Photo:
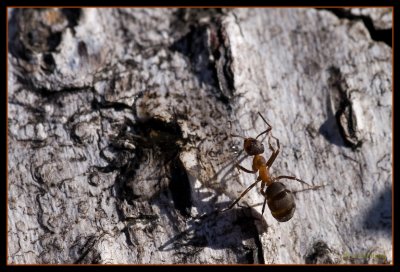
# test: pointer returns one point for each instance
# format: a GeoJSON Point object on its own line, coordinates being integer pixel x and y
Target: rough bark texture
{"type": "Point", "coordinates": [381, 17]}
{"type": "Point", "coordinates": [119, 145]}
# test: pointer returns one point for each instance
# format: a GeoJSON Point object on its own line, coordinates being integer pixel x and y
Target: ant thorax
{"type": "Point", "coordinates": [259, 162]}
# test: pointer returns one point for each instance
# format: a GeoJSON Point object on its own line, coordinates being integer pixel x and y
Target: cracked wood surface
{"type": "Point", "coordinates": [120, 147]}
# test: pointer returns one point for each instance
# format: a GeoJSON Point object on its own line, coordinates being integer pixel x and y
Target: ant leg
{"type": "Point", "coordinates": [262, 188]}
{"type": "Point", "coordinates": [244, 169]}
{"type": "Point", "coordinates": [316, 187]}
{"type": "Point", "coordinates": [235, 135]}
{"type": "Point", "coordinates": [290, 177]}
{"type": "Point", "coordinates": [232, 134]}
{"type": "Point", "coordinates": [277, 143]}
{"type": "Point", "coordinates": [268, 129]}
{"type": "Point", "coordinates": [241, 195]}
{"type": "Point", "coordinates": [263, 208]}
{"type": "Point", "coordinates": [274, 152]}
{"type": "Point", "coordinates": [265, 198]}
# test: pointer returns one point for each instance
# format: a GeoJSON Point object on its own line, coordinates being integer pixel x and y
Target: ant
{"type": "Point", "coordinates": [280, 200]}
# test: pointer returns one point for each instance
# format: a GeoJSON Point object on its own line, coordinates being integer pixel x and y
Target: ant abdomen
{"type": "Point", "coordinates": [253, 147]}
{"type": "Point", "coordinates": [280, 201]}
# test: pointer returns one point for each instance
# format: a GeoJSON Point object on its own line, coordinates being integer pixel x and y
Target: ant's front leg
{"type": "Point", "coordinates": [274, 152]}
{"type": "Point", "coordinates": [245, 169]}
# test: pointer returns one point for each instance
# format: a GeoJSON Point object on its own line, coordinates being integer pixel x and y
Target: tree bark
{"type": "Point", "coordinates": [120, 146]}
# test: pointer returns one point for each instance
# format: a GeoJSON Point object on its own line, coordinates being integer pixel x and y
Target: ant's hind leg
{"type": "Point", "coordinates": [262, 191]}
{"type": "Point", "coordinates": [310, 187]}
{"type": "Point", "coordinates": [241, 195]}
{"type": "Point", "coordinates": [291, 177]}
{"type": "Point", "coordinates": [263, 208]}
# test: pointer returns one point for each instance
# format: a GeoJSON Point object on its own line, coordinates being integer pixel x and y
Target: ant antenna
{"type": "Point", "coordinates": [235, 135]}
{"type": "Point", "coordinates": [267, 130]}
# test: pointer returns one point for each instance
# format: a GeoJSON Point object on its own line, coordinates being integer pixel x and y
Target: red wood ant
{"type": "Point", "coordinates": [280, 200]}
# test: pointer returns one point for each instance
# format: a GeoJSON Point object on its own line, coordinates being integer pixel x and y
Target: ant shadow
{"type": "Point", "coordinates": [221, 230]}
{"type": "Point", "coordinates": [379, 216]}
{"type": "Point", "coordinates": [215, 229]}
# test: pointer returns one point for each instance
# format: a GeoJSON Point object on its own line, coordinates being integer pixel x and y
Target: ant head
{"type": "Point", "coordinates": [253, 146]}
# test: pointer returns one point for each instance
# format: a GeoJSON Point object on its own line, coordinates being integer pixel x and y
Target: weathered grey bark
{"type": "Point", "coordinates": [381, 17]}
{"type": "Point", "coordinates": [119, 146]}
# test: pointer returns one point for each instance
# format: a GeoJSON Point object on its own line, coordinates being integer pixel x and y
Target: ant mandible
{"type": "Point", "coordinates": [280, 200]}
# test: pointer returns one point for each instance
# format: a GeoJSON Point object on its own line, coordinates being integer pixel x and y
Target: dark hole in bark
{"type": "Point", "coordinates": [180, 187]}
{"type": "Point", "coordinates": [73, 15]}
{"type": "Point", "coordinates": [49, 63]}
